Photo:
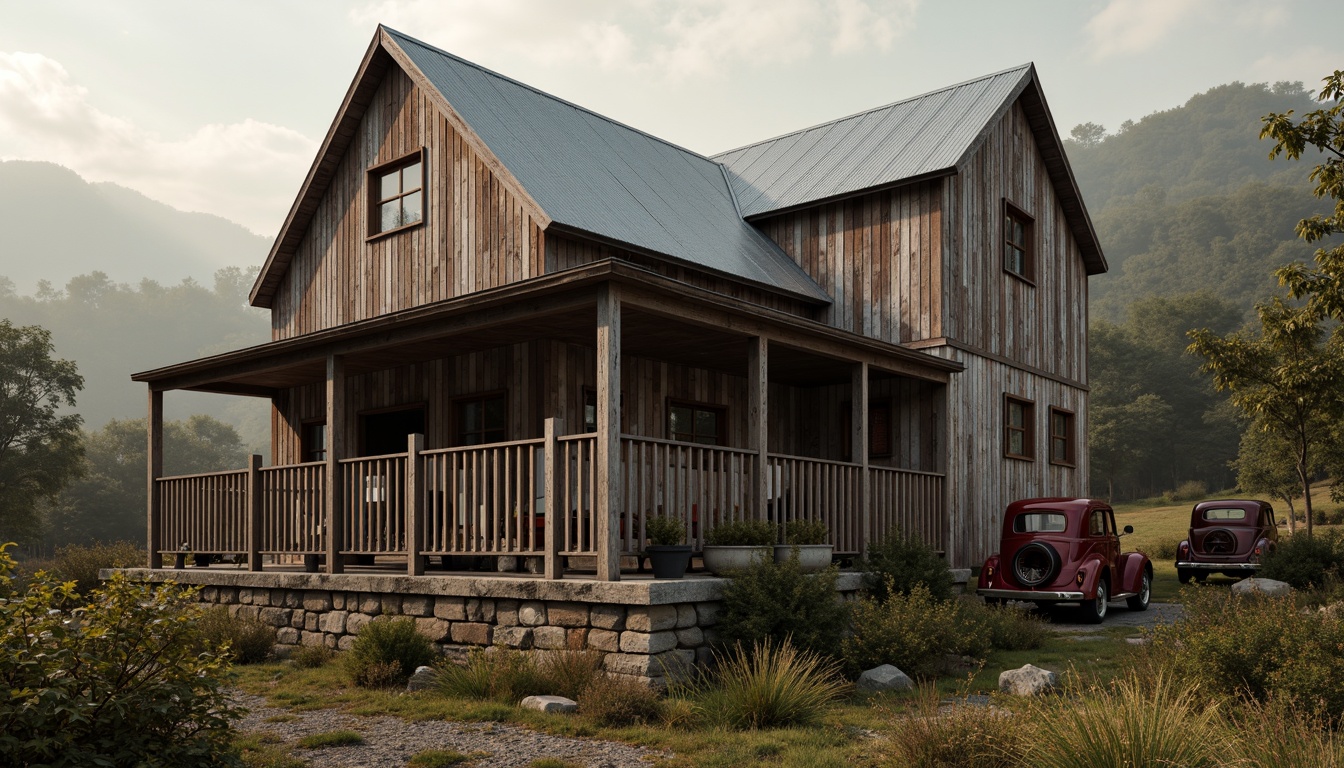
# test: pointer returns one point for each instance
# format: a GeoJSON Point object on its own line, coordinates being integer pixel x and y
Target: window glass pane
{"type": "Point", "coordinates": [410, 177]}
{"type": "Point", "coordinates": [1019, 236]}
{"type": "Point", "coordinates": [679, 421]}
{"type": "Point", "coordinates": [388, 186]}
{"type": "Point", "coordinates": [1016, 415]}
{"type": "Point", "coordinates": [1061, 424]}
{"type": "Point", "coordinates": [1017, 443]}
{"type": "Point", "coordinates": [495, 413]}
{"type": "Point", "coordinates": [390, 217]}
{"type": "Point", "coordinates": [1224, 514]}
{"type": "Point", "coordinates": [1060, 449]}
{"type": "Point", "coordinates": [412, 211]}
{"type": "Point", "coordinates": [1035, 522]}
{"type": "Point", "coordinates": [471, 417]}
{"type": "Point", "coordinates": [707, 423]}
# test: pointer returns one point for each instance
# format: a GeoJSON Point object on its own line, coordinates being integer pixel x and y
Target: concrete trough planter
{"type": "Point", "coordinates": [723, 560]}
{"type": "Point", "coordinates": [811, 557]}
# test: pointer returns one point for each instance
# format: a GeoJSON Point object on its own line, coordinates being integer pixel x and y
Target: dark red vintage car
{"type": "Point", "coordinates": [1228, 536]}
{"type": "Point", "coordinates": [1065, 551]}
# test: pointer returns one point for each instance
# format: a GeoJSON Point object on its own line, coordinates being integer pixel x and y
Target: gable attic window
{"type": "Point", "coordinates": [397, 194]}
{"type": "Point", "coordinates": [1018, 236]}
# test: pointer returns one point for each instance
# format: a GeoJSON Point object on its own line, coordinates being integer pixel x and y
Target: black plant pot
{"type": "Point", "coordinates": [669, 561]}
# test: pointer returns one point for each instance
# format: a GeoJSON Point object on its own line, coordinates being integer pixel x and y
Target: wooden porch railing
{"type": "Point", "coordinates": [492, 500]}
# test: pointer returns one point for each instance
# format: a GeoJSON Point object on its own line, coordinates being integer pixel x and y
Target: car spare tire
{"type": "Point", "coordinates": [1220, 541]}
{"type": "Point", "coordinates": [1036, 563]}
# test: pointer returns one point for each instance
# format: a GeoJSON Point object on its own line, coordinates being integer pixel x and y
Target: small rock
{"type": "Point", "coordinates": [550, 704]}
{"type": "Point", "coordinates": [422, 679]}
{"type": "Point", "coordinates": [885, 678]}
{"type": "Point", "coordinates": [1138, 640]}
{"type": "Point", "coordinates": [1028, 680]}
{"type": "Point", "coordinates": [1266, 587]}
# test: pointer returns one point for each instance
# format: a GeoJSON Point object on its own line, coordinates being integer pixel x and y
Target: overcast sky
{"type": "Point", "coordinates": [218, 107]}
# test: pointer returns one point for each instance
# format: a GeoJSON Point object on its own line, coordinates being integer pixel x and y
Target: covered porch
{"type": "Point", "coordinates": [629, 396]}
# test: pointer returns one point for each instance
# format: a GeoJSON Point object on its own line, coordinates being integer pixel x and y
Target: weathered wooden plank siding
{"type": "Point", "coordinates": [477, 234]}
{"type": "Point", "coordinates": [877, 255]}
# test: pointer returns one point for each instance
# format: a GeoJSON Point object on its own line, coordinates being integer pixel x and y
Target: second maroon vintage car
{"type": "Point", "coordinates": [1227, 536]}
{"type": "Point", "coordinates": [1065, 551]}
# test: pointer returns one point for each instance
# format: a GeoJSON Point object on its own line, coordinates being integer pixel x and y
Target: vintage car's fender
{"type": "Point", "coordinates": [1090, 569]}
{"type": "Point", "coordinates": [990, 572]}
{"type": "Point", "coordinates": [1263, 547]}
{"type": "Point", "coordinates": [1131, 566]}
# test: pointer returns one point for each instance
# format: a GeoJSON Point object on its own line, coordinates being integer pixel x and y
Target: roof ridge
{"type": "Point", "coordinates": [550, 96]}
{"type": "Point", "coordinates": [862, 112]}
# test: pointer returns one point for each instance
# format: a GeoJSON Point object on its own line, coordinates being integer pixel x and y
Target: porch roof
{"type": "Point", "coordinates": [558, 307]}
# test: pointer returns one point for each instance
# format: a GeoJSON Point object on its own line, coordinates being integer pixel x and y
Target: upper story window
{"type": "Point", "coordinates": [1061, 437]}
{"type": "Point", "coordinates": [397, 194]}
{"type": "Point", "coordinates": [1018, 253]}
{"type": "Point", "coordinates": [696, 423]}
{"type": "Point", "coordinates": [1019, 428]}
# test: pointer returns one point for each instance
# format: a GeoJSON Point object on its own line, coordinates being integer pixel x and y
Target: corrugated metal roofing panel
{"type": "Point", "coordinates": [594, 174]}
{"type": "Point", "coordinates": [915, 137]}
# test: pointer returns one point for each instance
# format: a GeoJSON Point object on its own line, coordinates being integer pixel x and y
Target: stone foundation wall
{"type": "Point", "coordinates": [645, 628]}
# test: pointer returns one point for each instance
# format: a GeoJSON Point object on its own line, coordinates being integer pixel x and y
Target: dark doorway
{"type": "Point", "coordinates": [385, 432]}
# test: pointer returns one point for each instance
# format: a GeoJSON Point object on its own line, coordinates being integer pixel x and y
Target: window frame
{"type": "Point", "coordinates": [1028, 428]}
{"type": "Point", "coordinates": [1070, 458]}
{"type": "Point", "coordinates": [1027, 247]}
{"type": "Point", "coordinates": [721, 411]}
{"type": "Point", "coordinates": [373, 197]}
{"type": "Point", "coordinates": [461, 400]}
{"type": "Point", "coordinates": [361, 432]}
{"type": "Point", "coordinates": [305, 441]}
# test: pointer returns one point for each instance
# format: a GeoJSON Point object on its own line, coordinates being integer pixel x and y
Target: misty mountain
{"type": "Point", "coordinates": [54, 225]}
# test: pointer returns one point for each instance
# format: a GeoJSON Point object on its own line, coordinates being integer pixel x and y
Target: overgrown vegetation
{"type": "Point", "coordinates": [769, 685]}
{"type": "Point", "coordinates": [245, 639]}
{"type": "Point", "coordinates": [81, 563]}
{"type": "Point", "coordinates": [898, 563]}
{"type": "Point", "coordinates": [508, 676]}
{"type": "Point", "coordinates": [620, 702]}
{"type": "Point", "coordinates": [386, 652]}
{"type": "Point", "coordinates": [778, 601]}
{"type": "Point", "coordinates": [1305, 562]}
{"type": "Point", "coordinates": [741, 533]}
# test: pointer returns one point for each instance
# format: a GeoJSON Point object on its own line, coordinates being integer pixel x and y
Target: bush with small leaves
{"type": "Point", "coordinates": [665, 531]}
{"type": "Point", "coordinates": [311, 656]}
{"type": "Point", "coordinates": [247, 640]}
{"type": "Point", "coordinates": [385, 643]}
{"type": "Point", "coordinates": [770, 600]}
{"type": "Point", "coordinates": [109, 678]}
{"type": "Point", "coordinates": [741, 533]}
{"type": "Point", "coordinates": [914, 632]}
{"type": "Point", "coordinates": [805, 532]}
{"type": "Point", "coordinates": [1305, 561]}
{"type": "Point", "coordinates": [81, 563]}
{"type": "Point", "coordinates": [619, 702]}
{"type": "Point", "coordinates": [896, 564]}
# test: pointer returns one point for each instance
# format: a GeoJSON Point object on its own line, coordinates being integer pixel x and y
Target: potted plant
{"type": "Point", "coordinates": [735, 545]}
{"type": "Point", "coordinates": [668, 555]}
{"type": "Point", "coordinates": [805, 539]}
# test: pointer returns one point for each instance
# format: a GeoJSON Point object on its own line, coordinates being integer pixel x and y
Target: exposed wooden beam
{"type": "Point", "coordinates": [758, 418]}
{"type": "Point", "coordinates": [335, 452]}
{"type": "Point", "coordinates": [155, 451]}
{"type": "Point", "coordinates": [608, 453]}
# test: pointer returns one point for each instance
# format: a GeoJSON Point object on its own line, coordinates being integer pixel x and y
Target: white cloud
{"type": "Point", "coordinates": [657, 37]}
{"type": "Point", "coordinates": [246, 171]}
{"type": "Point", "coordinates": [1135, 26]}
{"type": "Point", "coordinates": [1308, 63]}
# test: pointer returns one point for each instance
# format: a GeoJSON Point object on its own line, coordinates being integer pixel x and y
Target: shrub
{"type": "Point", "coordinates": [771, 685]}
{"type": "Point", "coordinates": [1305, 562]}
{"type": "Point", "coordinates": [665, 531]}
{"type": "Point", "coordinates": [619, 702]}
{"type": "Point", "coordinates": [1328, 515]}
{"type": "Point", "coordinates": [896, 564]}
{"type": "Point", "coordinates": [247, 640]}
{"type": "Point", "coordinates": [109, 679]}
{"type": "Point", "coordinates": [914, 632]}
{"type": "Point", "coordinates": [771, 600]}
{"type": "Point", "coordinates": [959, 736]}
{"type": "Point", "coordinates": [1011, 628]}
{"type": "Point", "coordinates": [1164, 550]}
{"type": "Point", "coordinates": [330, 739]}
{"type": "Point", "coordinates": [1190, 490]}
{"type": "Point", "coordinates": [311, 656]}
{"type": "Point", "coordinates": [502, 675]}
{"type": "Point", "coordinates": [81, 563]}
{"type": "Point", "coordinates": [570, 672]}
{"type": "Point", "coordinates": [387, 642]}
{"type": "Point", "coordinates": [1130, 724]}
{"type": "Point", "coordinates": [803, 532]}
{"type": "Point", "coordinates": [741, 533]}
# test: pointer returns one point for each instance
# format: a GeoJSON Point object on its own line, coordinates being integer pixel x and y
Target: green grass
{"type": "Point", "coordinates": [437, 758]}
{"type": "Point", "coordinates": [330, 739]}
{"type": "Point", "coordinates": [264, 750]}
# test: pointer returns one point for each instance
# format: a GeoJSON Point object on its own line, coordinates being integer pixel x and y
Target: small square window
{"type": "Point", "coordinates": [482, 419]}
{"type": "Point", "coordinates": [396, 194]}
{"type": "Point", "coordinates": [1019, 428]}
{"type": "Point", "coordinates": [694, 423]}
{"type": "Point", "coordinates": [1062, 439]}
{"type": "Point", "coordinates": [1018, 253]}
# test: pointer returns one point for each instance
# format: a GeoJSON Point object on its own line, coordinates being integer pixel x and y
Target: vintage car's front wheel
{"type": "Point", "coordinates": [1139, 602]}
{"type": "Point", "coordinates": [1036, 563]}
{"type": "Point", "coordinates": [1094, 611]}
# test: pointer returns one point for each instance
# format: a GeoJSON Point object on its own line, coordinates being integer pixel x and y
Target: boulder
{"type": "Point", "coordinates": [550, 704]}
{"type": "Point", "coordinates": [1257, 586]}
{"type": "Point", "coordinates": [1028, 680]}
{"type": "Point", "coordinates": [422, 679]}
{"type": "Point", "coordinates": [885, 678]}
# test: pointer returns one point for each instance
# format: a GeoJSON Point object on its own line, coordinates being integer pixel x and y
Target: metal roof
{"type": "Point", "coordinates": [923, 136]}
{"type": "Point", "coordinates": [593, 174]}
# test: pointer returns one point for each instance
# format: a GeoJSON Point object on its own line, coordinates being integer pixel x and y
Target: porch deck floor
{"type": "Point", "coordinates": [395, 568]}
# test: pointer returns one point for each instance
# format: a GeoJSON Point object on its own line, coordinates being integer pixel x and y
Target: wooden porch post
{"type": "Point", "coordinates": [415, 505]}
{"type": "Point", "coordinates": [335, 452]}
{"type": "Point", "coordinates": [859, 449]}
{"type": "Point", "coordinates": [608, 451]}
{"type": "Point", "coordinates": [555, 512]}
{"type": "Point", "coordinates": [758, 422]}
{"type": "Point", "coordinates": [254, 507]}
{"type": "Point", "coordinates": [155, 454]}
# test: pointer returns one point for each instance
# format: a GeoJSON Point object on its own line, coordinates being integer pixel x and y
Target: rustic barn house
{"type": "Point", "coordinates": [506, 325]}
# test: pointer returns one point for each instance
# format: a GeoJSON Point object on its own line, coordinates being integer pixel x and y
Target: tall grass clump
{"type": "Point", "coordinates": [386, 652]}
{"type": "Point", "coordinates": [502, 674]}
{"type": "Point", "coordinates": [897, 564]}
{"type": "Point", "coordinates": [247, 640]}
{"type": "Point", "coordinates": [770, 685]}
{"type": "Point", "coordinates": [935, 735]}
{"type": "Point", "coordinates": [1158, 722]}
{"type": "Point", "coordinates": [1275, 735]}
{"type": "Point", "coordinates": [569, 672]}
{"type": "Point", "coordinates": [771, 601]}
{"type": "Point", "coordinates": [620, 702]}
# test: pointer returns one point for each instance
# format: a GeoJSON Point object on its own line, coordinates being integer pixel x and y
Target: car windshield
{"type": "Point", "coordinates": [1039, 522]}
{"type": "Point", "coordinates": [1224, 514]}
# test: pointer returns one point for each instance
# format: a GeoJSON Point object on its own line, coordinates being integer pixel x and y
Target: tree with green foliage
{"type": "Point", "coordinates": [39, 445]}
{"type": "Point", "coordinates": [1288, 377]}
{"type": "Point", "coordinates": [1266, 466]}
{"type": "Point", "coordinates": [1088, 134]}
